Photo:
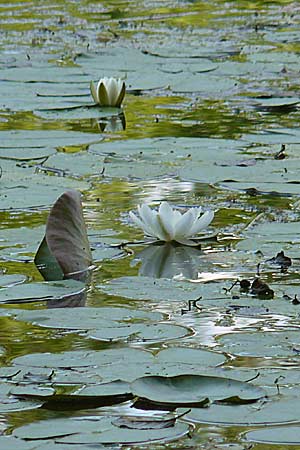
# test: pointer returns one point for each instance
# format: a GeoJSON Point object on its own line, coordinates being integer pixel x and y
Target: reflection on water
{"type": "Point", "coordinates": [180, 262]}
{"type": "Point", "coordinates": [169, 261]}
{"type": "Point", "coordinates": [112, 124]}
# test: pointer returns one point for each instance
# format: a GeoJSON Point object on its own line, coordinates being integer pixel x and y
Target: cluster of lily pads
{"type": "Point", "coordinates": [245, 372]}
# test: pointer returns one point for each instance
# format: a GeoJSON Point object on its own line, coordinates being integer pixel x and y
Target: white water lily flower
{"type": "Point", "coordinates": [168, 224]}
{"type": "Point", "coordinates": [108, 92]}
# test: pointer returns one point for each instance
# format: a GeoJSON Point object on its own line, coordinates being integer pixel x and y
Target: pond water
{"type": "Point", "coordinates": [210, 118]}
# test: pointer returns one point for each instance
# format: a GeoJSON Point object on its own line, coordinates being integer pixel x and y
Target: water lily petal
{"type": "Point", "coordinates": [185, 241]}
{"type": "Point", "coordinates": [147, 230]}
{"type": "Point", "coordinates": [150, 218]}
{"type": "Point", "coordinates": [167, 219]}
{"type": "Point", "coordinates": [94, 92]}
{"type": "Point", "coordinates": [202, 222]}
{"type": "Point", "coordinates": [102, 93]}
{"type": "Point", "coordinates": [197, 212]}
{"type": "Point", "coordinates": [121, 96]}
{"type": "Point", "coordinates": [185, 224]}
{"type": "Point", "coordinates": [112, 91]}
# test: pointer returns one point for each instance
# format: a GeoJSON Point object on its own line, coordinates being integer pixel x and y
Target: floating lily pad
{"type": "Point", "coordinates": [87, 318]}
{"type": "Point", "coordinates": [155, 332]}
{"type": "Point", "coordinates": [136, 170]}
{"type": "Point", "coordinates": [188, 389]}
{"type": "Point", "coordinates": [55, 428]}
{"type": "Point", "coordinates": [144, 288]}
{"type": "Point", "coordinates": [36, 192]}
{"type": "Point", "coordinates": [32, 292]}
{"type": "Point", "coordinates": [107, 324]}
{"type": "Point", "coordinates": [7, 442]}
{"type": "Point", "coordinates": [201, 84]}
{"type": "Point", "coordinates": [91, 396]}
{"type": "Point", "coordinates": [271, 238]}
{"type": "Point", "coordinates": [83, 358]}
{"type": "Point", "coordinates": [118, 435]}
{"type": "Point", "coordinates": [81, 164]}
{"type": "Point", "coordinates": [275, 136]}
{"type": "Point", "coordinates": [28, 154]}
{"type": "Point", "coordinates": [188, 357]}
{"type": "Point", "coordinates": [69, 112]}
{"type": "Point", "coordinates": [279, 411]}
{"type": "Point", "coordinates": [9, 403]}
{"type": "Point", "coordinates": [280, 103]}
{"type": "Point", "coordinates": [45, 138]}
{"type": "Point", "coordinates": [262, 344]}
{"type": "Point", "coordinates": [11, 280]}
{"type": "Point", "coordinates": [91, 430]}
{"type": "Point", "coordinates": [175, 150]}
{"type": "Point", "coordinates": [288, 435]}
{"type": "Point", "coordinates": [261, 172]}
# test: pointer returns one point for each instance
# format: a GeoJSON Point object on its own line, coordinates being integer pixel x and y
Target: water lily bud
{"type": "Point", "coordinates": [108, 92]}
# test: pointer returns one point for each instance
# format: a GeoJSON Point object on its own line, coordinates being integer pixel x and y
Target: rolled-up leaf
{"type": "Point", "coordinates": [65, 250]}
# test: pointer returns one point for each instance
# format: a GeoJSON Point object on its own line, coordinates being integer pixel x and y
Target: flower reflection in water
{"type": "Point", "coordinates": [112, 124]}
{"type": "Point", "coordinates": [169, 261]}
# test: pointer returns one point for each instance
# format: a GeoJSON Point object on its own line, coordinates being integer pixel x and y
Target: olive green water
{"type": "Point", "coordinates": [212, 96]}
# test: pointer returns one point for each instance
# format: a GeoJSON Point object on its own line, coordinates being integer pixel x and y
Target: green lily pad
{"type": "Point", "coordinates": [106, 324]}
{"type": "Point", "coordinates": [28, 154]}
{"type": "Point", "coordinates": [9, 403]}
{"type": "Point", "coordinates": [262, 344]}
{"type": "Point", "coordinates": [83, 358]}
{"type": "Point", "coordinates": [7, 442]}
{"type": "Point", "coordinates": [155, 332]}
{"type": "Point", "coordinates": [55, 428]}
{"type": "Point", "coordinates": [81, 164]}
{"type": "Point", "coordinates": [189, 389]}
{"type": "Point", "coordinates": [271, 238]}
{"type": "Point", "coordinates": [187, 358]}
{"type": "Point", "coordinates": [87, 318]}
{"type": "Point", "coordinates": [281, 411]}
{"type": "Point", "coordinates": [280, 103]}
{"type": "Point", "coordinates": [11, 280]}
{"type": "Point", "coordinates": [275, 136]}
{"type": "Point", "coordinates": [288, 435]}
{"type": "Point", "coordinates": [45, 138]}
{"type": "Point", "coordinates": [145, 288]}
{"type": "Point", "coordinates": [176, 150]}
{"type": "Point", "coordinates": [91, 396]}
{"type": "Point", "coordinates": [33, 189]}
{"type": "Point", "coordinates": [85, 430]}
{"type": "Point", "coordinates": [117, 435]}
{"type": "Point", "coordinates": [32, 292]}
{"type": "Point", "coordinates": [205, 83]}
